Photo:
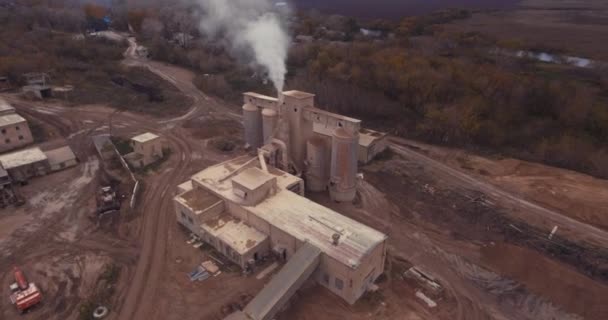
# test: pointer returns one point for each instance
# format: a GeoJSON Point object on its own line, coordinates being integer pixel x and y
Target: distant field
{"type": "Point", "coordinates": [394, 9]}
{"type": "Point", "coordinates": [579, 27]}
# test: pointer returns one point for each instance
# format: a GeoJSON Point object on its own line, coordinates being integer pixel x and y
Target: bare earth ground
{"type": "Point", "coordinates": [456, 216]}
{"type": "Point", "coordinates": [578, 26]}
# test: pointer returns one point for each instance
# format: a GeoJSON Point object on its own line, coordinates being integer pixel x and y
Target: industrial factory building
{"type": "Point", "coordinates": [252, 207]}
{"type": "Point", "coordinates": [247, 213]}
{"type": "Point", "coordinates": [14, 130]}
{"type": "Point", "coordinates": [25, 164]}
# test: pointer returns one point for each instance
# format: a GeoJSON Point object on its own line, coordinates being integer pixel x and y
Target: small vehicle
{"type": "Point", "coordinates": [107, 201]}
{"type": "Point", "coordinates": [24, 295]}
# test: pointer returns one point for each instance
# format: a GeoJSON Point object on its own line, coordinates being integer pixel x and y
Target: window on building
{"type": "Point", "coordinates": [20, 137]}
{"type": "Point", "coordinates": [326, 278]}
{"type": "Point", "coordinates": [190, 220]}
{"type": "Point", "coordinates": [3, 131]}
{"type": "Point", "coordinates": [17, 128]}
{"type": "Point", "coordinates": [339, 283]}
{"type": "Point", "coordinates": [7, 140]}
{"type": "Point", "coordinates": [183, 215]}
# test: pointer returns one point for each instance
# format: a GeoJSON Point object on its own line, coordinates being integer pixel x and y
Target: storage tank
{"type": "Point", "coordinates": [252, 121]}
{"type": "Point", "coordinates": [270, 119]}
{"type": "Point", "coordinates": [343, 175]}
{"type": "Point", "coordinates": [317, 159]}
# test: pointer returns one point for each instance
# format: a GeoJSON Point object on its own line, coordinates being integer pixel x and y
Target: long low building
{"type": "Point", "coordinates": [247, 213]}
{"type": "Point", "coordinates": [25, 164]}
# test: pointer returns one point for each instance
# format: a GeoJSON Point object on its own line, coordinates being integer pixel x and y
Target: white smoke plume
{"type": "Point", "coordinates": [252, 27]}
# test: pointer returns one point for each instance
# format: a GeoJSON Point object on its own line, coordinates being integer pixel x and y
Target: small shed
{"type": "Point", "coordinates": [25, 164]}
{"type": "Point", "coordinates": [61, 158]}
{"type": "Point", "coordinates": [147, 149]}
{"type": "Point", "coordinates": [371, 143]}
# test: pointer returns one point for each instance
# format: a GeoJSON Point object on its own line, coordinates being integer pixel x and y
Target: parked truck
{"type": "Point", "coordinates": [24, 295]}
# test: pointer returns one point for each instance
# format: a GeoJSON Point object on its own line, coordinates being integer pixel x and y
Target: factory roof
{"type": "Point", "coordinates": [60, 155]}
{"type": "Point", "coordinates": [142, 138]}
{"type": "Point", "coordinates": [367, 137]}
{"type": "Point", "coordinates": [20, 158]}
{"type": "Point", "coordinates": [261, 96]}
{"type": "Point", "coordinates": [5, 107]}
{"type": "Point", "coordinates": [198, 200]}
{"type": "Point", "coordinates": [300, 217]}
{"type": "Point", "coordinates": [252, 178]}
{"type": "Point", "coordinates": [298, 94]}
{"type": "Point", "coordinates": [10, 119]}
{"type": "Point", "coordinates": [332, 115]}
{"type": "Point", "coordinates": [234, 232]}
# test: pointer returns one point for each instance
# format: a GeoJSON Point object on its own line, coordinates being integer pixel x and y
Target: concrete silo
{"type": "Point", "coordinates": [343, 174]}
{"type": "Point", "coordinates": [252, 121]}
{"type": "Point", "coordinates": [270, 120]}
{"type": "Point", "coordinates": [317, 159]}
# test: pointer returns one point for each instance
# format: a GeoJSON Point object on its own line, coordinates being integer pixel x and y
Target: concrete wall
{"type": "Point", "coordinates": [367, 154]}
{"type": "Point", "coordinates": [15, 136]}
{"type": "Point", "coordinates": [355, 282]}
{"type": "Point", "coordinates": [23, 173]}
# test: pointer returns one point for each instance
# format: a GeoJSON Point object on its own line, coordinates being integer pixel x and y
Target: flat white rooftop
{"type": "Point", "coordinates": [11, 119]}
{"type": "Point", "coordinates": [252, 178]}
{"type": "Point", "coordinates": [145, 137]}
{"type": "Point", "coordinates": [234, 232]}
{"type": "Point", "coordinates": [60, 155]}
{"type": "Point", "coordinates": [367, 137]}
{"type": "Point", "coordinates": [5, 107]}
{"type": "Point", "coordinates": [261, 96]}
{"type": "Point", "coordinates": [298, 216]}
{"type": "Point", "coordinates": [20, 158]}
{"type": "Point", "coordinates": [298, 94]}
{"type": "Point", "coordinates": [198, 200]}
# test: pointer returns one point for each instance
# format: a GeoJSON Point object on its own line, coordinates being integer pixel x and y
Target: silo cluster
{"type": "Point", "coordinates": [343, 173]}
{"type": "Point", "coordinates": [270, 119]}
{"type": "Point", "coordinates": [317, 159]}
{"type": "Point", "coordinates": [252, 122]}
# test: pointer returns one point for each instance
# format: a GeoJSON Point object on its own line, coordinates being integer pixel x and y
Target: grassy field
{"type": "Point", "coordinates": [577, 27]}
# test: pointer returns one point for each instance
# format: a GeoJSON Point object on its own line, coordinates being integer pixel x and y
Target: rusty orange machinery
{"type": "Point", "coordinates": [24, 294]}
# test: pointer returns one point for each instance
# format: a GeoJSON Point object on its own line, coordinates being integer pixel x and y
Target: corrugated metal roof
{"type": "Point", "coordinates": [60, 155]}
{"type": "Point", "coordinates": [148, 136]}
{"type": "Point", "coordinates": [300, 217]}
{"type": "Point", "coordinates": [278, 291]}
{"type": "Point", "coordinates": [10, 119]}
{"type": "Point", "coordinates": [20, 158]}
